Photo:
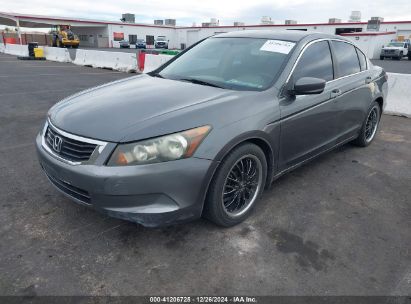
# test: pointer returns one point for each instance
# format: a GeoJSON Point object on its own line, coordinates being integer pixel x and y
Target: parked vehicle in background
{"type": "Point", "coordinates": [161, 42]}
{"type": "Point", "coordinates": [205, 133]}
{"type": "Point", "coordinates": [124, 44]}
{"type": "Point", "coordinates": [62, 36]}
{"type": "Point", "coordinates": [141, 44]}
{"type": "Point", "coordinates": [396, 50]}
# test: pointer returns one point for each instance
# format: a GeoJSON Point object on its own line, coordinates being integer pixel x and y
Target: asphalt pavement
{"type": "Point", "coordinates": [337, 226]}
{"type": "Point", "coordinates": [402, 66]}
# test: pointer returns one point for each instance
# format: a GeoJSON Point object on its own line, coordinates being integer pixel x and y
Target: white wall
{"type": "Point", "coordinates": [405, 33]}
{"type": "Point", "coordinates": [190, 35]}
{"type": "Point", "coordinates": [371, 45]}
{"type": "Point", "coordinates": [95, 36]}
{"type": "Point", "coordinates": [185, 35]}
{"type": "Point", "coordinates": [398, 101]}
{"type": "Point", "coordinates": [142, 32]}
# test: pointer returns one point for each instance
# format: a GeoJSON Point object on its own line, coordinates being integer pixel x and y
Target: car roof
{"type": "Point", "coordinates": [278, 35]}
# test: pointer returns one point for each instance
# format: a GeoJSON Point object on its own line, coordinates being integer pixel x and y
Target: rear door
{"type": "Point", "coordinates": [308, 122]}
{"type": "Point", "coordinates": [353, 84]}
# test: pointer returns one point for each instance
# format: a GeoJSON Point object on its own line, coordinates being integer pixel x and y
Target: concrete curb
{"type": "Point", "coordinates": [57, 54]}
{"type": "Point", "coordinates": [399, 94]}
{"type": "Point", "coordinates": [152, 61]}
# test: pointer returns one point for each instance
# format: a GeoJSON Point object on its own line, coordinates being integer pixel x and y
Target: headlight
{"type": "Point", "coordinates": [159, 149]}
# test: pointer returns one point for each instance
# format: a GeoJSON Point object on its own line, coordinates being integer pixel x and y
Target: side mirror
{"type": "Point", "coordinates": [308, 86]}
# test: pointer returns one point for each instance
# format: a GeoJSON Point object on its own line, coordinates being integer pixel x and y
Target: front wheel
{"type": "Point", "coordinates": [370, 126]}
{"type": "Point", "coordinates": [381, 57]}
{"type": "Point", "coordinates": [236, 186]}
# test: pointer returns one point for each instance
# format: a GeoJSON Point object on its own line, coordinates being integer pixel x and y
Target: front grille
{"type": "Point", "coordinates": [389, 51]}
{"type": "Point", "coordinates": [70, 149]}
{"type": "Point", "coordinates": [70, 190]}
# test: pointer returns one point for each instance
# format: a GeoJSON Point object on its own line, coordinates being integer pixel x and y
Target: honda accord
{"type": "Point", "coordinates": [205, 133]}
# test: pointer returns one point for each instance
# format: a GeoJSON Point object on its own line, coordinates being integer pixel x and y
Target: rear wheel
{"type": "Point", "coordinates": [236, 186]}
{"type": "Point", "coordinates": [370, 126]}
{"type": "Point", "coordinates": [381, 57]}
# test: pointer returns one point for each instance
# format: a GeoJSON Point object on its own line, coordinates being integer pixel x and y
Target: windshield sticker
{"type": "Point", "coordinates": [277, 46]}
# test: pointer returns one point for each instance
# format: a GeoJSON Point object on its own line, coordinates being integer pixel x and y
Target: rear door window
{"type": "Point", "coordinates": [363, 60]}
{"type": "Point", "coordinates": [346, 58]}
{"type": "Point", "coordinates": [315, 62]}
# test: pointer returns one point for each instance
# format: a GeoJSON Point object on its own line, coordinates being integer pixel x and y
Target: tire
{"type": "Point", "coordinates": [409, 55]}
{"type": "Point", "coordinates": [366, 135]}
{"type": "Point", "coordinates": [381, 57]}
{"type": "Point", "coordinates": [240, 196]}
{"type": "Point", "coordinates": [400, 56]}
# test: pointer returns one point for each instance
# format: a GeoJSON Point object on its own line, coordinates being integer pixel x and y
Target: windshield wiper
{"type": "Point", "coordinates": [201, 82]}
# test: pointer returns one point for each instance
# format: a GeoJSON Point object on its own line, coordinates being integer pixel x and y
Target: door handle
{"type": "Point", "coordinates": [335, 93]}
{"type": "Point", "coordinates": [368, 80]}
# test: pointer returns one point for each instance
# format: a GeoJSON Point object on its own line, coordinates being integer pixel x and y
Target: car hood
{"type": "Point", "coordinates": [113, 111]}
{"type": "Point", "coordinates": [392, 48]}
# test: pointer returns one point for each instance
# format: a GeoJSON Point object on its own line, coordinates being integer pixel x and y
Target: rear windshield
{"type": "Point", "coordinates": [232, 63]}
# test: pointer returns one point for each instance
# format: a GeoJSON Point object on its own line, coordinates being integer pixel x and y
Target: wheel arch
{"type": "Point", "coordinates": [260, 139]}
{"type": "Point", "coordinates": [380, 101]}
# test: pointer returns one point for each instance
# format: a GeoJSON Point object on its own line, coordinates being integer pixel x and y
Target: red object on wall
{"type": "Point", "coordinates": [11, 40]}
{"type": "Point", "coordinates": [118, 36]}
{"type": "Point", "coordinates": [141, 59]}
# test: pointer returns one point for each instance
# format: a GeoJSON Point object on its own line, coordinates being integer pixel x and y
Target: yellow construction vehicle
{"type": "Point", "coordinates": [62, 36]}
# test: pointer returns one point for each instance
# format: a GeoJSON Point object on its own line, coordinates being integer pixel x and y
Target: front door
{"type": "Point", "coordinates": [308, 122]}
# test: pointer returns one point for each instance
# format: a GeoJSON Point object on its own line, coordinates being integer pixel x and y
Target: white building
{"type": "Point", "coordinates": [95, 33]}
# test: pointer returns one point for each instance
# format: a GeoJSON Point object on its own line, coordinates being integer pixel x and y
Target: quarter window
{"type": "Point", "coordinates": [315, 62]}
{"type": "Point", "coordinates": [346, 57]}
{"type": "Point", "coordinates": [363, 60]}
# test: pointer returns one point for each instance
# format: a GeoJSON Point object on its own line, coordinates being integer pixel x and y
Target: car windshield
{"type": "Point", "coordinates": [231, 63]}
{"type": "Point", "coordinates": [161, 39]}
{"type": "Point", "coordinates": [396, 44]}
{"type": "Point", "coordinates": [140, 40]}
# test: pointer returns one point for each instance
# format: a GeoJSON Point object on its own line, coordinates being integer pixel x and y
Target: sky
{"type": "Point", "coordinates": [188, 12]}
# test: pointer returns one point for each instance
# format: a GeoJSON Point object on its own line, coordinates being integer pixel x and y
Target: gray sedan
{"type": "Point", "coordinates": [205, 133]}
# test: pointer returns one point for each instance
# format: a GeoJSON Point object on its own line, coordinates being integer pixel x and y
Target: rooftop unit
{"type": "Point", "coordinates": [239, 23]}
{"type": "Point", "coordinates": [171, 22]}
{"type": "Point", "coordinates": [159, 22]}
{"type": "Point", "coordinates": [355, 16]}
{"type": "Point", "coordinates": [334, 20]}
{"type": "Point", "coordinates": [213, 22]}
{"type": "Point", "coordinates": [381, 19]}
{"type": "Point", "coordinates": [128, 18]}
{"type": "Point", "coordinates": [288, 22]}
{"type": "Point", "coordinates": [266, 20]}
{"type": "Point", "coordinates": [373, 25]}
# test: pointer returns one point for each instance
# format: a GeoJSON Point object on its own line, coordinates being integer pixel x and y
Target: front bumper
{"type": "Point", "coordinates": [390, 54]}
{"type": "Point", "coordinates": [152, 195]}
